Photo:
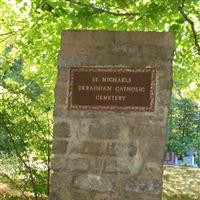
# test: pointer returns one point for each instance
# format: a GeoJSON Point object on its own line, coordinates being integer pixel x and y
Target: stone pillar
{"type": "Point", "coordinates": [103, 154]}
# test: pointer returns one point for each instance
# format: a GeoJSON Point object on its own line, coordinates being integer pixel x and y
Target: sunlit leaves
{"type": "Point", "coordinates": [29, 45]}
{"type": "Point", "coordinates": [183, 126]}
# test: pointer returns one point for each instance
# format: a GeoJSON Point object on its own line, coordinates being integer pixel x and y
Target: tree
{"type": "Point", "coordinates": [26, 128]}
{"type": "Point", "coordinates": [36, 26]}
{"type": "Point", "coordinates": [29, 43]}
{"type": "Point", "coordinates": [184, 131]}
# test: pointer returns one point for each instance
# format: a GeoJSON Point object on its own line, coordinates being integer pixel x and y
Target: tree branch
{"type": "Point", "coordinates": [8, 36]}
{"type": "Point", "coordinates": [11, 32]}
{"type": "Point", "coordinates": [195, 35]}
{"type": "Point", "coordinates": [14, 184]}
{"type": "Point", "coordinates": [8, 33]}
{"type": "Point", "coordinates": [102, 10]}
{"type": "Point", "coordinates": [48, 156]}
{"type": "Point", "coordinates": [12, 140]}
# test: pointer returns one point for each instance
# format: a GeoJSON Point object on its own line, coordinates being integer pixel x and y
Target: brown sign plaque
{"type": "Point", "coordinates": [125, 89]}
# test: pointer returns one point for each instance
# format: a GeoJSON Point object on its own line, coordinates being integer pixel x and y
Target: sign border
{"type": "Point", "coordinates": [113, 69]}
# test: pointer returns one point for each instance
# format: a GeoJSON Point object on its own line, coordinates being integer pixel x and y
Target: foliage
{"type": "Point", "coordinates": [22, 132]}
{"type": "Point", "coordinates": [36, 26]}
{"type": "Point", "coordinates": [184, 126]}
{"type": "Point", "coordinates": [29, 44]}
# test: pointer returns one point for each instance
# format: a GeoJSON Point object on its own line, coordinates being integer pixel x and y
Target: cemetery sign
{"type": "Point", "coordinates": [112, 88]}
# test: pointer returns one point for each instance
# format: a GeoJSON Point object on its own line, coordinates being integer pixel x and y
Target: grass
{"type": "Point", "coordinates": [180, 183]}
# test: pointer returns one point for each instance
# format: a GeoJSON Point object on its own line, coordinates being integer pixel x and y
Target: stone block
{"type": "Point", "coordinates": [116, 166]}
{"type": "Point", "coordinates": [57, 163]}
{"type": "Point", "coordinates": [61, 96]}
{"type": "Point", "coordinates": [79, 164]}
{"type": "Point", "coordinates": [59, 146]}
{"type": "Point", "coordinates": [104, 130]}
{"type": "Point", "coordinates": [91, 148]}
{"type": "Point", "coordinates": [61, 180]}
{"type": "Point", "coordinates": [152, 168]}
{"type": "Point", "coordinates": [141, 185]}
{"type": "Point", "coordinates": [79, 195]}
{"type": "Point", "coordinates": [62, 76]}
{"type": "Point", "coordinates": [107, 196]}
{"type": "Point", "coordinates": [54, 196]}
{"type": "Point", "coordinates": [62, 130]}
{"type": "Point", "coordinates": [64, 113]}
{"type": "Point", "coordinates": [94, 183]}
{"type": "Point", "coordinates": [121, 149]}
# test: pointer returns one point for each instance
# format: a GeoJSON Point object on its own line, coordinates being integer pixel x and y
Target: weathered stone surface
{"type": "Point", "coordinates": [61, 94]}
{"type": "Point", "coordinates": [57, 163]}
{"type": "Point", "coordinates": [61, 112]}
{"type": "Point", "coordinates": [124, 164]}
{"type": "Point", "coordinates": [62, 129]}
{"type": "Point", "coordinates": [151, 129]}
{"type": "Point", "coordinates": [115, 166]}
{"type": "Point", "coordinates": [54, 196]}
{"type": "Point", "coordinates": [59, 146]}
{"type": "Point", "coordinates": [104, 131]}
{"type": "Point", "coordinates": [77, 195]}
{"type": "Point", "coordinates": [130, 166]}
{"type": "Point", "coordinates": [152, 197]}
{"type": "Point", "coordinates": [80, 164]}
{"type": "Point", "coordinates": [61, 180]}
{"type": "Point", "coordinates": [121, 149]}
{"type": "Point", "coordinates": [91, 148]}
{"type": "Point", "coordinates": [108, 196]}
{"type": "Point", "coordinates": [141, 185]}
{"type": "Point", "coordinates": [152, 167]}
{"type": "Point", "coordinates": [94, 183]}
{"type": "Point", "coordinates": [132, 196]}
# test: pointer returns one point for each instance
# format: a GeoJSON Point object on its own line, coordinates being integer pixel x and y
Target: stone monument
{"type": "Point", "coordinates": [111, 108]}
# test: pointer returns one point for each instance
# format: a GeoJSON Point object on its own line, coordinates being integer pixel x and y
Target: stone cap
{"type": "Point", "coordinates": [92, 40]}
{"type": "Point", "coordinates": [115, 48]}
